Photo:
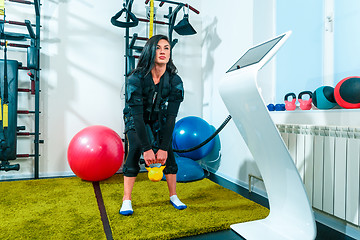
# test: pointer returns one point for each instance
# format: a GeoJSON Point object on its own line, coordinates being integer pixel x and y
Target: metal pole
{"type": "Point", "coordinates": [37, 92]}
{"type": "Point", "coordinates": [127, 49]}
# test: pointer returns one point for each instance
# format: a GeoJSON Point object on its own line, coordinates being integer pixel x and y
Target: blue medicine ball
{"type": "Point", "coordinates": [323, 97]}
{"type": "Point", "coordinates": [190, 132]}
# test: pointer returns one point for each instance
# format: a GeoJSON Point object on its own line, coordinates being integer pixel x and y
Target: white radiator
{"type": "Point", "coordinates": [328, 160]}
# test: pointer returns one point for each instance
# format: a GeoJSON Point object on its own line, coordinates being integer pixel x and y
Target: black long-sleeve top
{"type": "Point", "coordinates": [140, 97]}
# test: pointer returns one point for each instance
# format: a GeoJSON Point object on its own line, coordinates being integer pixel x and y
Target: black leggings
{"type": "Point", "coordinates": [131, 166]}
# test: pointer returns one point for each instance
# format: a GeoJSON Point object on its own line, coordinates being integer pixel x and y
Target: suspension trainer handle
{"type": "Point", "coordinates": [133, 23]}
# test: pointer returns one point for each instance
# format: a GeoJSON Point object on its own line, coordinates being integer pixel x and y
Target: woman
{"type": "Point", "coordinates": [153, 95]}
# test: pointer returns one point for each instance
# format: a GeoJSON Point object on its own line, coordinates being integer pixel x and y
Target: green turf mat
{"type": "Point", "coordinates": [210, 208]}
{"type": "Point", "coordinates": [61, 208]}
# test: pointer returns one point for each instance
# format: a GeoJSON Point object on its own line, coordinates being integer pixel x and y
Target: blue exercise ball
{"type": "Point", "coordinates": [188, 170]}
{"type": "Point", "coordinates": [190, 132]}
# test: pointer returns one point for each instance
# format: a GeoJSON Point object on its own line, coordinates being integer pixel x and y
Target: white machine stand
{"type": "Point", "coordinates": [291, 216]}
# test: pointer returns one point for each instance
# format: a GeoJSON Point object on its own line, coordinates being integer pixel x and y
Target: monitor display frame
{"type": "Point", "coordinates": [255, 54]}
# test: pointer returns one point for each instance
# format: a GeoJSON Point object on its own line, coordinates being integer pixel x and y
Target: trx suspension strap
{"type": "Point", "coordinates": [2, 7]}
{"type": "Point", "coordinates": [151, 25]}
{"type": "Point", "coordinates": [2, 12]}
{"type": "Point", "coordinates": [5, 100]}
{"type": "Point", "coordinates": [5, 116]}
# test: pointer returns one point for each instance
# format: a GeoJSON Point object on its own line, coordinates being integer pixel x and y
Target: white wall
{"type": "Point", "coordinates": [82, 77]}
{"type": "Point", "coordinates": [227, 33]}
{"type": "Point", "coordinates": [83, 66]}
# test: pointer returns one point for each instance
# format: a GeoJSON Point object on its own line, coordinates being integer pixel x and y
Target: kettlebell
{"type": "Point", "coordinates": [290, 106]}
{"type": "Point", "coordinates": [155, 174]}
{"type": "Point", "coordinates": [305, 104]}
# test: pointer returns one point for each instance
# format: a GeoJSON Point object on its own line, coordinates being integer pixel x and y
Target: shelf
{"type": "Point", "coordinates": [331, 117]}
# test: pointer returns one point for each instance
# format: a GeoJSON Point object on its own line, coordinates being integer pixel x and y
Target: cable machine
{"type": "Point", "coordinates": [182, 28]}
{"type": "Point", "coordinates": [9, 88]}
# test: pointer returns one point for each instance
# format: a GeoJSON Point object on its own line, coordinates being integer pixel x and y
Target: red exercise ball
{"type": "Point", "coordinates": [95, 153]}
{"type": "Point", "coordinates": [347, 92]}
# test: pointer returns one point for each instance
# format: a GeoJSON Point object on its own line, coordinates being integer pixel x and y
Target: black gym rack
{"type": "Point", "coordinates": [33, 66]}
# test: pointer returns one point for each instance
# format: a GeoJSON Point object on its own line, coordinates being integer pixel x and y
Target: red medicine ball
{"type": "Point", "coordinates": [347, 92]}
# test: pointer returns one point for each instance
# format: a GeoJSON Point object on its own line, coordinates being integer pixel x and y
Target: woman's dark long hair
{"type": "Point", "coordinates": [147, 57]}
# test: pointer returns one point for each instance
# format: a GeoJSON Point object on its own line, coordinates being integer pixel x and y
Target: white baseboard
{"type": "Point", "coordinates": [26, 176]}
{"type": "Point", "coordinates": [235, 181]}
{"type": "Point", "coordinates": [337, 224]}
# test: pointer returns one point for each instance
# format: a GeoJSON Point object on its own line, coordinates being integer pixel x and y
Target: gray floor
{"type": "Point", "coordinates": [323, 232]}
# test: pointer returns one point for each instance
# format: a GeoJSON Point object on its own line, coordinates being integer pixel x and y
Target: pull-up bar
{"type": "Point", "coordinates": [25, 133]}
{"type": "Point", "coordinates": [23, 68]}
{"type": "Point", "coordinates": [25, 112]}
{"type": "Point", "coordinates": [25, 155]}
{"type": "Point", "coordinates": [140, 38]}
{"type": "Point", "coordinates": [16, 23]}
{"type": "Point", "coordinates": [21, 1]}
{"type": "Point", "coordinates": [15, 45]}
{"type": "Point", "coordinates": [191, 8]}
{"type": "Point", "coordinates": [24, 90]}
{"type": "Point", "coordinates": [155, 21]}
{"type": "Point", "coordinates": [31, 90]}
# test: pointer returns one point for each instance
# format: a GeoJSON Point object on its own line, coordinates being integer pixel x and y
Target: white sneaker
{"type": "Point", "coordinates": [175, 201]}
{"type": "Point", "coordinates": [126, 208]}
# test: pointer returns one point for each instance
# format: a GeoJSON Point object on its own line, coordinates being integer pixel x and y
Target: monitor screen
{"type": "Point", "coordinates": [255, 54]}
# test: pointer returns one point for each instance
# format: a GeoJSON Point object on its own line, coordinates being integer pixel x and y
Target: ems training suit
{"type": "Point", "coordinates": [149, 116]}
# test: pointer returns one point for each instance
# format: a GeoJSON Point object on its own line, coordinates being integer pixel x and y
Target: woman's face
{"type": "Point", "coordinates": [162, 52]}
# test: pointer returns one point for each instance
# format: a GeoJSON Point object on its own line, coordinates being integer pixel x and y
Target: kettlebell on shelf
{"type": "Point", "coordinates": [305, 104]}
{"type": "Point", "coordinates": [290, 105]}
